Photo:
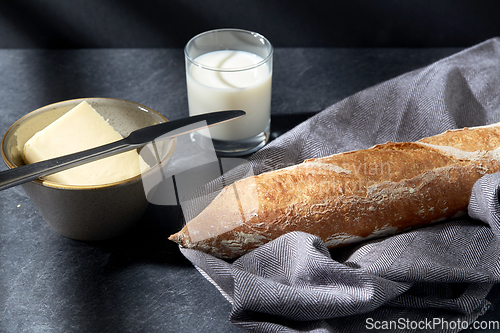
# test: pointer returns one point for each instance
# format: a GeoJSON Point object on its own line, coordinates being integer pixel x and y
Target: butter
{"type": "Point", "coordinates": [79, 129]}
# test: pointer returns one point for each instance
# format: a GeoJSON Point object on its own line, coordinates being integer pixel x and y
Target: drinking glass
{"type": "Point", "coordinates": [231, 69]}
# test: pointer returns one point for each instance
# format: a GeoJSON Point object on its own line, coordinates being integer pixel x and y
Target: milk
{"type": "Point", "coordinates": [227, 81]}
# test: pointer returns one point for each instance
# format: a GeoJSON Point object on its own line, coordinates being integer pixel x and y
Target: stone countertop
{"type": "Point", "coordinates": [140, 282]}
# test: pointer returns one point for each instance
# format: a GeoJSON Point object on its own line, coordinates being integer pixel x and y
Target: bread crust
{"type": "Point", "coordinates": [349, 197]}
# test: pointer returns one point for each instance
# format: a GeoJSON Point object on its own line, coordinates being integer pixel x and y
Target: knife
{"type": "Point", "coordinates": [136, 139]}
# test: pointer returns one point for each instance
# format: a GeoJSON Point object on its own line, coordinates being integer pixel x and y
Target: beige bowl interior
{"type": "Point", "coordinates": [124, 116]}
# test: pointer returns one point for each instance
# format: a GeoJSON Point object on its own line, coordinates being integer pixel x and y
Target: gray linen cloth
{"type": "Point", "coordinates": [430, 279]}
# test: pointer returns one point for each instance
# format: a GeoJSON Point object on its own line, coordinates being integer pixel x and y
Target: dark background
{"type": "Point", "coordinates": [309, 23]}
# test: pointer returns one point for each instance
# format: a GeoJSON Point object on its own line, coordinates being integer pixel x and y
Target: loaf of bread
{"type": "Point", "coordinates": [349, 197]}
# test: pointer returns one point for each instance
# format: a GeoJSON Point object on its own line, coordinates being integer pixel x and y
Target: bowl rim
{"type": "Point", "coordinates": [50, 184]}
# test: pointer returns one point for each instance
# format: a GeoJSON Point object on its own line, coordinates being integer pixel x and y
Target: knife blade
{"type": "Point", "coordinates": [134, 140]}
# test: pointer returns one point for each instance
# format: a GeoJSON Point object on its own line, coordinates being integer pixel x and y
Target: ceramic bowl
{"type": "Point", "coordinates": [86, 213]}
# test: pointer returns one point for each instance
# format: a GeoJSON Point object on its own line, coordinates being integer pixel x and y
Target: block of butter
{"type": "Point", "coordinates": [79, 129]}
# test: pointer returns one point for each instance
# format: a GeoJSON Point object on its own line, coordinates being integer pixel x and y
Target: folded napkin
{"type": "Point", "coordinates": [433, 278]}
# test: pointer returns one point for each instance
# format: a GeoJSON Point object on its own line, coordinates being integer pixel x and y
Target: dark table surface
{"type": "Point", "coordinates": [140, 282]}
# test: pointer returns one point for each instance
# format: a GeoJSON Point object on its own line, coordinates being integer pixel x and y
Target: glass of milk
{"type": "Point", "coordinates": [231, 69]}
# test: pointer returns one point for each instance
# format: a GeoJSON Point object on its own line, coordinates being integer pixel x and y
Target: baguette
{"type": "Point", "coordinates": [349, 197]}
